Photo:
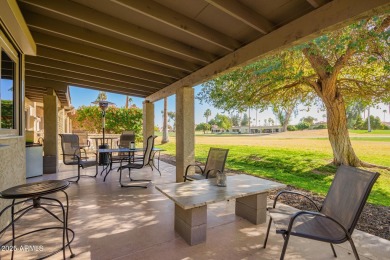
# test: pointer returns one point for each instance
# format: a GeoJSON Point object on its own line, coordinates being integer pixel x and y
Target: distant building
{"type": "Point", "coordinates": [245, 129]}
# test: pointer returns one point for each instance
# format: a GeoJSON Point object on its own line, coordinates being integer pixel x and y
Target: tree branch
{"type": "Point", "coordinates": [318, 62]}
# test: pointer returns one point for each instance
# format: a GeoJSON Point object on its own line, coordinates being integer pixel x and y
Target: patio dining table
{"type": "Point", "coordinates": [132, 151]}
{"type": "Point", "coordinates": [191, 200]}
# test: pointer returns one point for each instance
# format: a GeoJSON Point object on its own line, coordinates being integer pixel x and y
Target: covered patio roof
{"type": "Point", "coordinates": [151, 48]}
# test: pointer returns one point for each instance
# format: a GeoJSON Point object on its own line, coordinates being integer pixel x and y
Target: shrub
{"type": "Point", "coordinates": [291, 128]}
{"type": "Point", "coordinates": [303, 125]}
{"type": "Point", "coordinates": [320, 127]}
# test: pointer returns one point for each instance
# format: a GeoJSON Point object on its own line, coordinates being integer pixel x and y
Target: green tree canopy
{"type": "Point", "coordinates": [245, 120]}
{"type": "Point", "coordinates": [332, 71]}
{"type": "Point", "coordinates": [308, 119]}
{"type": "Point", "coordinates": [203, 127]}
{"type": "Point", "coordinates": [236, 120]}
{"type": "Point", "coordinates": [223, 121]}
{"type": "Point", "coordinates": [207, 114]}
{"type": "Point", "coordinates": [89, 118]}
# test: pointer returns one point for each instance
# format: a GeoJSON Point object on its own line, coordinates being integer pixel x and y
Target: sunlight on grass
{"type": "Point", "coordinates": [302, 163]}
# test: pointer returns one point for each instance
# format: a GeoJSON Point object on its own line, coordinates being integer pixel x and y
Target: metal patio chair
{"type": "Point", "coordinates": [135, 165]}
{"type": "Point", "coordinates": [335, 220]}
{"type": "Point", "coordinates": [83, 138]}
{"type": "Point", "coordinates": [124, 142]}
{"type": "Point", "coordinates": [215, 163]}
{"type": "Point", "coordinates": [72, 155]}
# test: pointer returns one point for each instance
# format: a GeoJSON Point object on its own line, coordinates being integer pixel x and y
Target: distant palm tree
{"type": "Point", "coordinates": [128, 101]}
{"type": "Point", "coordinates": [207, 114]}
{"type": "Point", "coordinates": [384, 115]}
{"type": "Point", "coordinates": [102, 96]}
{"type": "Point", "coordinates": [165, 137]}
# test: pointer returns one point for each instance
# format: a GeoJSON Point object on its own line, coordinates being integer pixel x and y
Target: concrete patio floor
{"type": "Point", "coordinates": [135, 223]}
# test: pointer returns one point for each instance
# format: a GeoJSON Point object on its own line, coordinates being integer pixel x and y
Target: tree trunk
{"type": "Point", "coordinates": [289, 112]}
{"type": "Point", "coordinates": [249, 122]}
{"type": "Point", "coordinates": [256, 116]}
{"type": "Point", "coordinates": [368, 120]}
{"type": "Point", "coordinates": [165, 137]}
{"type": "Point", "coordinates": [337, 129]}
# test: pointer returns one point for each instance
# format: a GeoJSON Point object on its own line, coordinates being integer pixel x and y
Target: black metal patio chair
{"type": "Point", "coordinates": [335, 220]}
{"type": "Point", "coordinates": [72, 155]}
{"type": "Point", "coordinates": [215, 162]}
{"type": "Point", "coordinates": [135, 165]}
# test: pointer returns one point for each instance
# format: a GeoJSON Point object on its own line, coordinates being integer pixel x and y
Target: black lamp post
{"type": "Point", "coordinates": [103, 157]}
{"type": "Point", "coordinates": [103, 105]}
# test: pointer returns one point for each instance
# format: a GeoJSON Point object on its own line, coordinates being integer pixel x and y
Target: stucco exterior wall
{"type": "Point", "coordinates": [12, 168]}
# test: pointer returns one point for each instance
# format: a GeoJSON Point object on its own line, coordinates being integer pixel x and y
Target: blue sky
{"type": "Point", "coordinates": [82, 96]}
{"type": "Point", "coordinates": [6, 90]}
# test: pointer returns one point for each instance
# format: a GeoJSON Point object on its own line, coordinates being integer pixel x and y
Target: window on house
{"type": "Point", "coordinates": [7, 92]}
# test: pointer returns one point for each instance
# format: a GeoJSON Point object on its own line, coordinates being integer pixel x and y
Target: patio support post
{"type": "Point", "coordinates": [50, 147]}
{"type": "Point", "coordinates": [148, 120]}
{"type": "Point", "coordinates": [185, 131]}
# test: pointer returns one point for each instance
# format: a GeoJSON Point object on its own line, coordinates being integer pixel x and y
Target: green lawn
{"type": "Point", "coordinates": [294, 165]}
{"type": "Point", "coordinates": [373, 132]}
{"type": "Point", "coordinates": [364, 138]}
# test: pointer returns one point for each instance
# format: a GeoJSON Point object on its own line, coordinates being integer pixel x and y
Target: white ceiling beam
{"type": "Point", "coordinates": [64, 66]}
{"type": "Point", "coordinates": [95, 53]}
{"type": "Point", "coordinates": [243, 14]}
{"type": "Point", "coordinates": [103, 21]}
{"type": "Point", "coordinates": [74, 75]}
{"type": "Point", "coordinates": [180, 22]}
{"type": "Point", "coordinates": [88, 84]}
{"type": "Point", "coordinates": [331, 16]}
{"type": "Point", "coordinates": [62, 29]}
{"type": "Point", "coordinates": [58, 55]}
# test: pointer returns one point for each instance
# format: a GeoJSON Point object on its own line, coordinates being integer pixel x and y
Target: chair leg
{"type": "Point", "coordinates": [266, 236]}
{"type": "Point", "coordinates": [97, 170]}
{"type": "Point", "coordinates": [334, 251]}
{"type": "Point", "coordinates": [129, 186]}
{"type": "Point", "coordinates": [286, 238]}
{"type": "Point", "coordinates": [120, 175]}
{"type": "Point", "coordinates": [353, 248]}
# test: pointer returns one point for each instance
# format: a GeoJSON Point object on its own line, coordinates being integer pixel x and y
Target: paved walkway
{"type": "Point", "coordinates": [134, 223]}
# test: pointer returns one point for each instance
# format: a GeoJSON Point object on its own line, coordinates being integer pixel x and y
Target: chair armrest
{"type": "Point", "coordinates": [207, 173]}
{"type": "Point", "coordinates": [194, 165]}
{"type": "Point", "coordinates": [294, 193]}
{"type": "Point", "coordinates": [305, 212]}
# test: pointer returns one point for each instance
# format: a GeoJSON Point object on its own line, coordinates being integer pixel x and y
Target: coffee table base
{"type": "Point", "coordinates": [253, 208]}
{"type": "Point", "coordinates": [191, 224]}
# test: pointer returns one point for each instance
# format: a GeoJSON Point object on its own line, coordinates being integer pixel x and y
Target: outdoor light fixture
{"type": "Point", "coordinates": [103, 157]}
{"type": "Point", "coordinates": [103, 105]}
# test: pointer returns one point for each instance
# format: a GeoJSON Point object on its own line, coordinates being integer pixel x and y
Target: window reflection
{"type": "Point", "coordinates": [7, 96]}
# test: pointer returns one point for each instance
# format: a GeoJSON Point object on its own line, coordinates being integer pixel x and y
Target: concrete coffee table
{"type": "Point", "coordinates": [191, 199]}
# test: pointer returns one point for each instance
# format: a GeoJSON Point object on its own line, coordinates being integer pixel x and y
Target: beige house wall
{"type": "Point", "coordinates": [12, 168]}
{"type": "Point", "coordinates": [12, 145]}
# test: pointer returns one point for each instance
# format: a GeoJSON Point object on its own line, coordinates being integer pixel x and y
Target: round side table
{"type": "Point", "coordinates": [35, 192]}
